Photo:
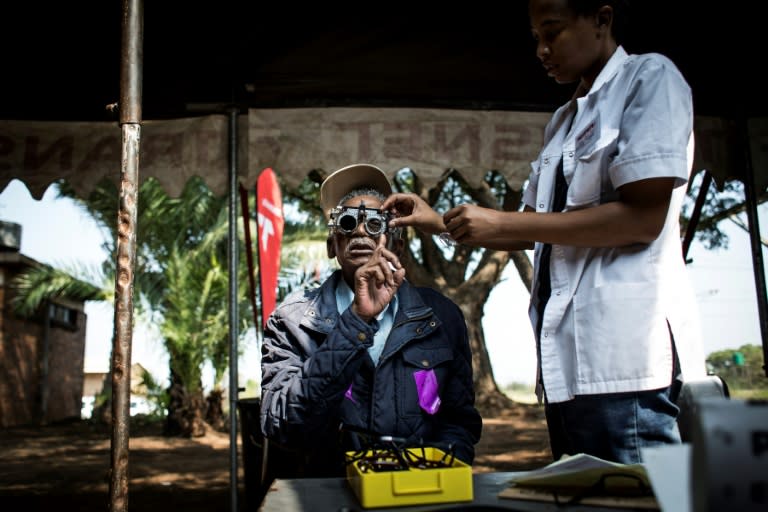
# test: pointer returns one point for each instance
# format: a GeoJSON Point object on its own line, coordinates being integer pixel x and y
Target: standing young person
{"type": "Point", "coordinates": [611, 305]}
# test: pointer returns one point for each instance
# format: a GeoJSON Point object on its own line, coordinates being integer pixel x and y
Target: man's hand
{"type": "Point", "coordinates": [411, 210]}
{"type": "Point", "coordinates": [377, 282]}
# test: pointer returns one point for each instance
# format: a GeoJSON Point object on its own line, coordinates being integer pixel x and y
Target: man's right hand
{"type": "Point", "coordinates": [377, 282]}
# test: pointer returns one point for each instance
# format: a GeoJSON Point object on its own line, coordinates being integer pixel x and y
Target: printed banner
{"type": "Point", "coordinates": [299, 140]}
{"type": "Point", "coordinates": [269, 211]}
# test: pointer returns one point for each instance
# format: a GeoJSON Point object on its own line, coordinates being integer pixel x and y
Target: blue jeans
{"type": "Point", "coordinates": [614, 426]}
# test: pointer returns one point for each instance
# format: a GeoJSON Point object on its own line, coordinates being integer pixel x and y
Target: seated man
{"type": "Point", "coordinates": [366, 352]}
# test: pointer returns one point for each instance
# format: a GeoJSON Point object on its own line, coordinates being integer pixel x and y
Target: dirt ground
{"type": "Point", "coordinates": [66, 466]}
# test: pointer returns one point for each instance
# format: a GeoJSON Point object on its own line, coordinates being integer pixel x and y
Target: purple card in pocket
{"type": "Point", "coordinates": [426, 385]}
{"type": "Point", "coordinates": [348, 394]}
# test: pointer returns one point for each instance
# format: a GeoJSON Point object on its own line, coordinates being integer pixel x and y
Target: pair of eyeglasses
{"type": "Point", "coordinates": [346, 219]}
{"type": "Point", "coordinates": [394, 457]}
{"type": "Point", "coordinates": [389, 453]}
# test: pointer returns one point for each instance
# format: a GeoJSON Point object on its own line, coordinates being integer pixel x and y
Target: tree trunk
{"type": "Point", "coordinates": [185, 410]}
{"type": "Point", "coordinates": [471, 296]}
{"type": "Point", "coordinates": [214, 412]}
{"type": "Point", "coordinates": [489, 399]}
{"type": "Point", "coordinates": [102, 405]}
{"type": "Point", "coordinates": [524, 268]}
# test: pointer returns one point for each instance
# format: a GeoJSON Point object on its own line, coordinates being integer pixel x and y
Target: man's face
{"type": "Point", "coordinates": [567, 45]}
{"type": "Point", "coordinates": [355, 248]}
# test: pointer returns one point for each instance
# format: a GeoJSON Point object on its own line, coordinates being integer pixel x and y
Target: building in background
{"type": "Point", "coordinates": [94, 374]}
{"type": "Point", "coordinates": [41, 356]}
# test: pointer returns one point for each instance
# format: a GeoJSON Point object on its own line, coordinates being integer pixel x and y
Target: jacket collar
{"type": "Point", "coordinates": [321, 315]}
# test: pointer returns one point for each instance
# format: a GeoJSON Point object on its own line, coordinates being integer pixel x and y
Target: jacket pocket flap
{"type": "Point", "coordinates": [426, 358]}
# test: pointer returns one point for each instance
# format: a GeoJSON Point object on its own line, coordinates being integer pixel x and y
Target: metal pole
{"type": "Point", "coordinates": [233, 317]}
{"type": "Point", "coordinates": [706, 181]}
{"type": "Point", "coordinates": [750, 195]}
{"type": "Point", "coordinates": [130, 119]}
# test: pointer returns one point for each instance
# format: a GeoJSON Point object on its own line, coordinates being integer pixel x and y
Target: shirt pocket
{"type": "Point", "coordinates": [415, 359]}
{"type": "Point", "coordinates": [617, 329]}
{"type": "Point", "coordinates": [590, 180]}
{"type": "Point", "coordinates": [533, 195]}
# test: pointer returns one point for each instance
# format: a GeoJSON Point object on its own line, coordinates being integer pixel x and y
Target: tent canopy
{"type": "Point", "coordinates": [295, 141]}
{"type": "Point", "coordinates": [63, 62]}
{"type": "Point", "coordinates": [61, 59]}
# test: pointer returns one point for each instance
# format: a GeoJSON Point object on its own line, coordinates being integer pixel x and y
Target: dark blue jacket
{"type": "Point", "coordinates": [311, 356]}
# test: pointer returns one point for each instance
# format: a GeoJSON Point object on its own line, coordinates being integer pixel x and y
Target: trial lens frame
{"type": "Point", "coordinates": [346, 219]}
{"type": "Point", "coordinates": [389, 453]}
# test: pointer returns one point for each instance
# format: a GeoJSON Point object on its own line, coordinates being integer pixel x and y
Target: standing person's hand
{"type": "Point", "coordinates": [411, 210]}
{"type": "Point", "coordinates": [471, 224]}
{"type": "Point", "coordinates": [377, 282]}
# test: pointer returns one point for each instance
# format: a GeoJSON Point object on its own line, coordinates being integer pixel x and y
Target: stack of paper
{"type": "Point", "coordinates": [587, 480]}
{"type": "Point", "coordinates": [584, 470]}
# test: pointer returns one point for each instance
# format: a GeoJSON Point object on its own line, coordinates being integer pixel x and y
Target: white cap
{"type": "Point", "coordinates": [349, 178]}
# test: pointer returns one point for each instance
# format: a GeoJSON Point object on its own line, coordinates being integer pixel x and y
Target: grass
{"type": "Point", "coordinates": [749, 394]}
{"type": "Point", "coordinates": [520, 393]}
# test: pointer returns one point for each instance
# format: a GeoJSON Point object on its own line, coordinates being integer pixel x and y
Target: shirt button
{"type": "Point", "coordinates": [311, 312]}
{"type": "Point", "coordinates": [570, 153]}
{"type": "Point", "coordinates": [418, 330]}
{"type": "Point", "coordinates": [424, 362]}
{"type": "Point", "coordinates": [558, 294]}
{"type": "Point", "coordinates": [328, 321]}
{"type": "Point", "coordinates": [546, 161]}
{"type": "Point", "coordinates": [541, 205]}
{"type": "Point", "coordinates": [361, 336]}
{"type": "Point", "coordinates": [546, 334]}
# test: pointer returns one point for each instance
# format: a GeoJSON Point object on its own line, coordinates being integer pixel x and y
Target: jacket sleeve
{"type": "Point", "coordinates": [306, 373]}
{"type": "Point", "coordinates": [458, 423]}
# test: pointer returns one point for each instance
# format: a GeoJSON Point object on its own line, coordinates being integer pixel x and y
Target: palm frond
{"type": "Point", "coordinates": [41, 283]}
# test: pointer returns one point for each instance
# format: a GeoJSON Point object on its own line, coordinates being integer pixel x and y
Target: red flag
{"type": "Point", "coordinates": [269, 209]}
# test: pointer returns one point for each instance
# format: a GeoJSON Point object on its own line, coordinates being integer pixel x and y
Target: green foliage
{"type": "Point", "coordinates": [181, 279]}
{"type": "Point", "coordinates": [724, 202]}
{"type": "Point", "coordinates": [196, 316]}
{"type": "Point", "coordinates": [101, 398]}
{"type": "Point", "coordinates": [707, 230]}
{"type": "Point", "coordinates": [306, 197]}
{"type": "Point", "coordinates": [181, 276]}
{"type": "Point", "coordinates": [741, 379]}
{"type": "Point", "coordinates": [157, 395]}
{"type": "Point", "coordinates": [252, 389]}
{"type": "Point", "coordinates": [193, 310]}
{"type": "Point", "coordinates": [43, 282]}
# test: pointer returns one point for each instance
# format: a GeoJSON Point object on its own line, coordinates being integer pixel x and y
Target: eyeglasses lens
{"type": "Point", "coordinates": [373, 221]}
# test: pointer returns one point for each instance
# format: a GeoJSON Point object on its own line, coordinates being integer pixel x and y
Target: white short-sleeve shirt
{"type": "Point", "coordinates": [605, 326]}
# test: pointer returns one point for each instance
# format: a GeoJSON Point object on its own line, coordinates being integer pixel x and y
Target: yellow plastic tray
{"type": "Point", "coordinates": [414, 486]}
